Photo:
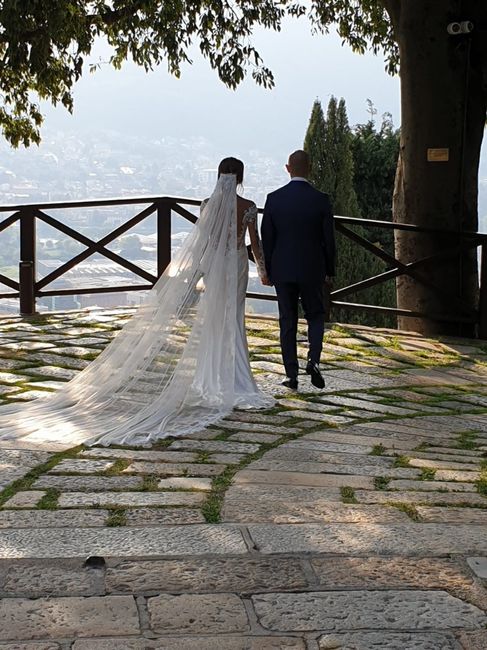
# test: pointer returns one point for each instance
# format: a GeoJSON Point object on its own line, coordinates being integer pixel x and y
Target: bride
{"type": "Point", "coordinates": [181, 362]}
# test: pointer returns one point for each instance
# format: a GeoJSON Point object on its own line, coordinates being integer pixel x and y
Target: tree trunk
{"type": "Point", "coordinates": [443, 106]}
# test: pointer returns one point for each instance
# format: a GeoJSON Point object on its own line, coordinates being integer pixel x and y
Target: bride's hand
{"type": "Point", "coordinates": [265, 281]}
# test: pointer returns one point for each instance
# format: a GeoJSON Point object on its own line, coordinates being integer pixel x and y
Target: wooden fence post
{"type": "Point", "coordinates": [482, 325]}
{"type": "Point", "coordinates": [163, 236]}
{"type": "Point", "coordinates": [27, 264]}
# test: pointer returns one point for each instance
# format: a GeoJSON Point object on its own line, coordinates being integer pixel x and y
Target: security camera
{"type": "Point", "coordinates": [464, 27]}
{"type": "Point", "coordinates": [454, 28]}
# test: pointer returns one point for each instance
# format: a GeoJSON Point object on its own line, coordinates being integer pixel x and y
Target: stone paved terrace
{"type": "Point", "coordinates": [352, 518]}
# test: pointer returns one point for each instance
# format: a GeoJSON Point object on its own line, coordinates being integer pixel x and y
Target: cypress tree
{"type": "Point", "coordinates": [329, 143]}
{"type": "Point", "coordinates": [314, 144]}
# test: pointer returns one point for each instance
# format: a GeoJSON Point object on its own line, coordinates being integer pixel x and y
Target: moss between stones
{"type": "Point", "coordinates": [400, 460]}
{"type": "Point", "coordinates": [50, 500]}
{"type": "Point", "coordinates": [381, 482]}
{"type": "Point", "coordinates": [117, 517]}
{"type": "Point", "coordinates": [348, 494]}
{"type": "Point", "coordinates": [427, 474]}
{"type": "Point", "coordinates": [26, 482]}
{"type": "Point", "coordinates": [409, 509]}
{"type": "Point", "coordinates": [211, 509]}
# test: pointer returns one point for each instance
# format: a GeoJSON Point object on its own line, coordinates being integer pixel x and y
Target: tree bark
{"type": "Point", "coordinates": [443, 102]}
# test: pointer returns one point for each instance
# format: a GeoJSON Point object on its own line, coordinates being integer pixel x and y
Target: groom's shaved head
{"type": "Point", "coordinates": [298, 163]}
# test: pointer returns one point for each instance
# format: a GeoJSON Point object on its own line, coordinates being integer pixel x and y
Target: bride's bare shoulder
{"type": "Point", "coordinates": [244, 204]}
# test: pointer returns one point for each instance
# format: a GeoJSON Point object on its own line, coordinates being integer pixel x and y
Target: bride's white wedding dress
{"type": "Point", "coordinates": [180, 363]}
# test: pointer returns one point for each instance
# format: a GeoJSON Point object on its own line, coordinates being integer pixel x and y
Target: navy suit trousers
{"type": "Point", "coordinates": [313, 301]}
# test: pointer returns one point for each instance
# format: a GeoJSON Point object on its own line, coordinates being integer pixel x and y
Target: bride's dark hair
{"type": "Point", "coordinates": [232, 166]}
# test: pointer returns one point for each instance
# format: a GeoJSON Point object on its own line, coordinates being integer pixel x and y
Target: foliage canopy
{"type": "Point", "coordinates": [44, 45]}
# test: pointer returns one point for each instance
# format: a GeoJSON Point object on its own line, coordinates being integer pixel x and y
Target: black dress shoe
{"type": "Point", "coordinates": [316, 376]}
{"type": "Point", "coordinates": [291, 382]}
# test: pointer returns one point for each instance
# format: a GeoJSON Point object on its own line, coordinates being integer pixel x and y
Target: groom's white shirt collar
{"type": "Point", "coordinates": [299, 178]}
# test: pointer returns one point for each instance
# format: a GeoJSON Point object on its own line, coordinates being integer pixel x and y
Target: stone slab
{"type": "Point", "coordinates": [256, 427]}
{"type": "Point", "coordinates": [29, 646]}
{"type": "Point", "coordinates": [473, 640]}
{"type": "Point", "coordinates": [456, 475]}
{"type": "Point", "coordinates": [224, 642]}
{"type": "Point", "coordinates": [197, 613]}
{"type": "Point", "coordinates": [320, 417]}
{"type": "Point", "coordinates": [51, 618]}
{"type": "Point", "coordinates": [247, 476]}
{"type": "Point", "coordinates": [358, 439]}
{"type": "Point", "coordinates": [441, 464]}
{"type": "Point", "coordinates": [451, 515]}
{"type": "Point", "coordinates": [58, 360]}
{"type": "Point", "coordinates": [478, 566]}
{"type": "Point", "coordinates": [399, 573]}
{"type": "Point", "coordinates": [355, 610]}
{"type": "Point", "coordinates": [52, 518]}
{"type": "Point", "coordinates": [174, 469]}
{"type": "Point", "coordinates": [425, 498]}
{"type": "Point", "coordinates": [15, 463]}
{"type": "Point", "coordinates": [414, 539]}
{"type": "Point", "coordinates": [10, 390]}
{"type": "Point", "coordinates": [80, 483]}
{"type": "Point", "coordinates": [227, 459]}
{"type": "Point", "coordinates": [163, 516]}
{"type": "Point", "coordinates": [431, 486]}
{"type": "Point", "coordinates": [242, 575]}
{"type": "Point", "coordinates": [81, 466]}
{"type": "Point", "coordinates": [185, 483]}
{"type": "Point", "coordinates": [121, 542]}
{"type": "Point", "coordinates": [54, 372]}
{"type": "Point", "coordinates": [281, 493]}
{"type": "Point", "coordinates": [141, 454]}
{"type": "Point", "coordinates": [204, 434]}
{"type": "Point", "coordinates": [261, 438]}
{"type": "Point", "coordinates": [26, 499]}
{"type": "Point", "coordinates": [45, 385]}
{"type": "Point", "coordinates": [318, 510]}
{"type": "Point", "coordinates": [35, 580]}
{"type": "Point", "coordinates": [223, 446]}
{"type": "Point", "coordinates": [128, 499]}
{"type": "Point", "coordinates": [469, 460]}
{"type": "Point", "coordinates": [28, 395]}
{"type": "Point", "coordinates": [304, 453]}
{"type": "Point", "coordinates": [358, 469]}
{"type": "Point", "coordinates": [386, 641]}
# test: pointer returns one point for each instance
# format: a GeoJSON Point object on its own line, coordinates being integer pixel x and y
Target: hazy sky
{"type": "Point", "coordinates": [274, 122]}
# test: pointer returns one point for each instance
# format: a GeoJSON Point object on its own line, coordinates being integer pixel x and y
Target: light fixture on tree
{"type": "Point", "coordinates": [463, 27]}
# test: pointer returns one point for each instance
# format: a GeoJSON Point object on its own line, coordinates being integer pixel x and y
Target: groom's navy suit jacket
{"type": "Point", "coordinates": [298, 235]}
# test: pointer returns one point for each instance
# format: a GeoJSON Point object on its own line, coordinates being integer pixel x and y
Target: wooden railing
{"type": "Point", "coordinates": [28, 288]}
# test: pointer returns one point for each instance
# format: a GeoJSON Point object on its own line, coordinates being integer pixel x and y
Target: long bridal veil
{"type": "Point", "coordinates": [171, 369]}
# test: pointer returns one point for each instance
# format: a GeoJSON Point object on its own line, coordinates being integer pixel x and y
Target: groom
{"type": "Point", "coordinates": [299, 249]}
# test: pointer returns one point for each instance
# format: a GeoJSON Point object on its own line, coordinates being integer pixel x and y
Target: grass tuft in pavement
{"type": "Point", "coordinates": [348, 494]}
{"type": "Point", "coordinates": [117, 517]}
{"type": "Point", "coordinates": [409, 509]}
{"type": "Point", "coordinates": [381, 482]}
{"type": "Point", "coordinates": [50, 500]}
{"type": "Point", "coordinates": [401, 461]}
{"type": "Point", "coordinates": [427, 474]}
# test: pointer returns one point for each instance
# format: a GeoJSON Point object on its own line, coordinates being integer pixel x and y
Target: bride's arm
{"type": "Point", "coordinates": [256, 244]}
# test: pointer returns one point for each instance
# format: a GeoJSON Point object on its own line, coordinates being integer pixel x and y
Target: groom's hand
{"type": "Point", "coordinates": [329, 281]}
{"type": "Point", "coordinates": [266, 282]}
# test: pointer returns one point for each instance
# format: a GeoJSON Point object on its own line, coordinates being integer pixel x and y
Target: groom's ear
{"type": "Point", "coordinates": [287, 168]}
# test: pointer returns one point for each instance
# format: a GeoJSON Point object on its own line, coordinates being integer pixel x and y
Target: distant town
{"type": "Point", "coordinates": [75, 167]}
{"type": "Point", "coordinates": [69, 167]}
